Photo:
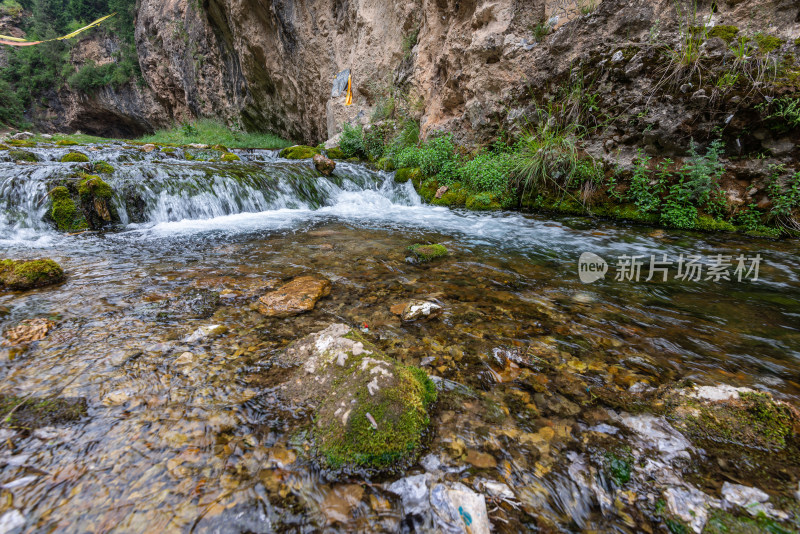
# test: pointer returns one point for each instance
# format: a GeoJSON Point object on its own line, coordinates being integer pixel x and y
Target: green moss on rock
{"type": "Point", "coordinates": [92, 185]}
{"type": "Point", "coordinates": [767, 43]}
{"type": "Point", "coordinates": [65, 142]}
{"type": "Point", "coordinates": [726, 33]}
{"type": "Point", "coordinates": [370, 411]}
{"type": "Point", "coordinates": [754, 420]}
{"type": "Point", "coordinates": [23, 155]}
{"type": "Point", "coordinates": [707, 223]}
{"type": "Point", "coordinates": [299, 152]}
{"type": "Point", "coordinates": [27, 143]}
{"type": "Point", "coordinates": [75, 157]}
{"type": "Point", "coordinates": [23, 275]}
{"type": "Point", "coordinates": [426, 253]}
{"type": "Point", "coordinates": [230, 157]}
{"type": "Point", "coordinates": [101, 167]}
{"type": "Point", "coordinates": [385, 164]}
{"type": "Point", "coordinates": [483, 202]}
{"type": "Point", "coordinates": [336, 153]}
{"type": "Point", "coordinates": [406, 174]}
{"type": "Point", "coordinates": [64, 211]}
{"type": "Point", "coordinates": [455, 196]}
{"type": "Point", "coordinates": [32, 413]}
{"type": "Point", "coordinates": [220, 148]}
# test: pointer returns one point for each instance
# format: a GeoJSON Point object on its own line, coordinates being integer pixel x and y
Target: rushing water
{"type": "Point", "coordinates": [175, 443]}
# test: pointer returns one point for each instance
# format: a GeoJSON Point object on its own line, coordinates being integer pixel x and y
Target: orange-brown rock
{"type": "Point", "coordinates": [298, 296]}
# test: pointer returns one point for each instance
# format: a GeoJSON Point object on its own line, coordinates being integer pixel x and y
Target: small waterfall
{"type": "Point", "coordinates": [159, 187]}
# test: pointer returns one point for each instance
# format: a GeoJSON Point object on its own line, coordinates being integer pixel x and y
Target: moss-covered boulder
{"type": "Point", "coordinates": [75, 157]}
{"type": "Point", "coordinates": [370, 411]}
{"type": "Point", "coordinates": [221, 148]}
{"type": "Point", "coordinates": [426, 253]}
{"type": "Point", "coordinates": [23, 275]}
{"type": "Point", "coordinates": [95, 198]}
{"type": "Point", "coordinates": [23, 155]}
{"type": "Point", "coordinates": [336, 153]}
{"type": "Point", "coordinates": [102, 167]}
{"type": "Point", "coordinates": [299, 152]}
{"type": "Point", "coordinates": [228, 156]}
{"type": "Point", "coordinates": [64, 212]}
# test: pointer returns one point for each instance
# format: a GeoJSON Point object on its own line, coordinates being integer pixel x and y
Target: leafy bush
{"type": "Point", "coordinates": [703, 172]}
{"type": "Point", "coordinates": [646, 197]}
{"type": "Point", "coordinates": [10, 7]}
{"type": "Point", "coordinates": [352, 142]}
{"type": "Point", "coordinates": [489, 172]}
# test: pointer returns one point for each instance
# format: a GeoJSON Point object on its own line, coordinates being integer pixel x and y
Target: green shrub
{"type": "Point", "coordinates": [645, 196]}
{"type": "Point", "coordinates": [483, 202]}
{"type": "Point", "coordinates": [11, 8]}
{"type": "Point", "coordinates": [489, 172]}
{"type": "Point", "coordinates": [352, 142]}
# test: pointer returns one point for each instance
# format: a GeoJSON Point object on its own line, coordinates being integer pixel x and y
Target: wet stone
{"type": "Point", "coordinates": [28, 331]}
{"type": "Point", "coordinates": [298, 296]}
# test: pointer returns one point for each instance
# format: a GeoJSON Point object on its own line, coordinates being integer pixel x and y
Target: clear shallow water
{"type": "Point", "coordinates": [175, 446]}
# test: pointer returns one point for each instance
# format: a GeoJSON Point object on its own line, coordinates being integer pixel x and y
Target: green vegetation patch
{"type": "Point", "coordinates": [427, 253]}
{"type": "Point", "coordinates": [101, 167]}
{"type": "Point", "coordinates": [92, 186]}
{"type": "Point", "coordinates": [23, 155]}
{"type": "Point", "coordinates": [31, 413]}
{"type": "Point", "coordinates": [754, 421]}
{"type": "Point", "coordinates": [406, 174]}
{"type": "Point", "coordinates": [383, 429]}
{"type": "Point", "coordinates": [336, 153]}
{"type": "Point", "coordinates": [767, 43]}
{"type": "Point", "coordinates": [299, 152]}
{"type": "Point", "coordinates": [209, 132]}
{"type": "Point", "coordinates": [483, 202]}
{"type": "Point", "coordinates": [64, 211]}
{"type": "Point", "coordinates": [228, 156]}
{"type": "Point", "coordinates": [23, 275]}
{"type": "Point", "coordinates": [726, 33]}
{"type": "Point", "coordinates": [75, 157]}
{"type": "Point", "coordinates": [66, 142]}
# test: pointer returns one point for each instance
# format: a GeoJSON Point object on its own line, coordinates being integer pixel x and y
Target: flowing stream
{"type": "Point", "coordinates": [170, 445]}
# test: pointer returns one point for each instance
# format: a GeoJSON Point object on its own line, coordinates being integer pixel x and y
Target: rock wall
{"type": "Point", "coordinates": [472, 67]}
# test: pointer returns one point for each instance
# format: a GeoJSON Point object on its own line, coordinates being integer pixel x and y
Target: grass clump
{"type": "Point", "coordinates": [209, 132]}
{"type": "Point", "coordinates": [75, 157]}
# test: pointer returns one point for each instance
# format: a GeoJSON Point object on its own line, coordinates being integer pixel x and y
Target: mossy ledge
{"type": "Point", "coordinates": [299, 152]}
{"type": "Point", "coordinates": [102, 167]}
{"type": "Point", "coordinates": [23, 275]}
